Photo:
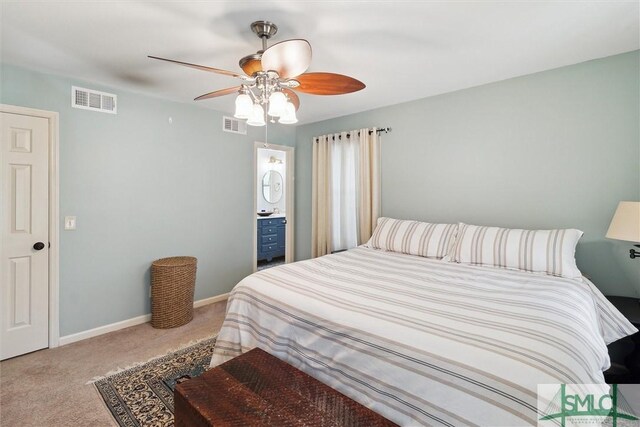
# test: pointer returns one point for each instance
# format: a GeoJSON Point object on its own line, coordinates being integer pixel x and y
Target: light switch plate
{"type": "Point", "coordinates": [69, 222]}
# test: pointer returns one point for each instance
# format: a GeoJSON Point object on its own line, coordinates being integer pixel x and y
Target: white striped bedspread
{"type": "Point", "coordinates": [420, 341]}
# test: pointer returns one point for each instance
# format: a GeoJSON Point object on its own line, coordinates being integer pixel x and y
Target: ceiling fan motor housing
{"type": "Point", "coordinates": [251, 64]}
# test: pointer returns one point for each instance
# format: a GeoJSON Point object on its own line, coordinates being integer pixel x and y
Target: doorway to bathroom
{"type": "Point", "coordinates": [273, 205]}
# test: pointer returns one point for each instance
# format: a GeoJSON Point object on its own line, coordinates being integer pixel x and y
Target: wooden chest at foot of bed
{"type": "Point", "coordinates": [257, 389]}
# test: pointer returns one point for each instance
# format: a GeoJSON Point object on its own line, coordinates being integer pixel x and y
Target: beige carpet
{"type": "Point", "coordinates": [48, 387]}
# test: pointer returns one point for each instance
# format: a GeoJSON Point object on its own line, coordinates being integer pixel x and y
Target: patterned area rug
{"type": "Point", "coordinates": [143, 395]}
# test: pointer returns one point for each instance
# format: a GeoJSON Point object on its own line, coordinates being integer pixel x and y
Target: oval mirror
{"type": "Point", "coordinates": [272, 186]}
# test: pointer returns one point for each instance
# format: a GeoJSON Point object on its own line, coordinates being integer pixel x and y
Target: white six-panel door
{"type": "Point", "coordinates": [24, 218]}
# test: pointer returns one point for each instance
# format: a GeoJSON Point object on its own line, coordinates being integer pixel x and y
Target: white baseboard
{"type": "Point", "coordinates": [100, 330]}
{"type": "Point", "coordinates": [68, 339]}
{"type": "Point", "coordinates": [210, 300]}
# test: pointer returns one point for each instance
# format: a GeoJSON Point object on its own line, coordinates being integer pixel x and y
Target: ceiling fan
{"type": "Point", "coordinates": [270, 77]}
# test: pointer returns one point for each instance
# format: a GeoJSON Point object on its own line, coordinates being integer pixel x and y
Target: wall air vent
{"type": "Point", "coordinates": [229, 124]}
{"type": "Point", "coordinates": [94, 100]}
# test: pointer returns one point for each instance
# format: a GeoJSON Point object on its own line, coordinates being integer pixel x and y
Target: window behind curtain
{"type": "Point", "coordinates": [344, 193]}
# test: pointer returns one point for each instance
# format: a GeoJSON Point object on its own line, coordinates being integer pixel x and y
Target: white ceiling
{"type": "Point", "coordinates": [400, 50]}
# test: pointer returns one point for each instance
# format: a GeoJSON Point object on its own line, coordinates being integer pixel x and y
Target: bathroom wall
{"type": "Point", "coordinates": [265, 164]}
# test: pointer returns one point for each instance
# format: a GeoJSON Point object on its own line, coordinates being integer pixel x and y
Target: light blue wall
{"type": "Point", "coordinates": [553, 149]}
{"type": "Point", "coordinates": [143, 189]}
{"type": "Point", "coordinates": [550, 150]}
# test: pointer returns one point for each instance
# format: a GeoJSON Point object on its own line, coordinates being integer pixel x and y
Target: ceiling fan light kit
{"type": "Point", "coordinates": [271, 74]}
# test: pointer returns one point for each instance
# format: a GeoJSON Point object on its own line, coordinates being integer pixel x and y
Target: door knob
{"type": "Point", "coordinates": [38, 246]}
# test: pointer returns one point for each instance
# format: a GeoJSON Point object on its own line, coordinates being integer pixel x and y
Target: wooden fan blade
{"type": "Point", "coordinates": [328, 84]}
{"type": "Point", "coordinates": [289, 58]}
{"type": "Point", "coordinates": [217, 93]}
{"type": "Point", "coordinates": [293, 97]}
{"type": "Point", "coordinates": [200, 67]}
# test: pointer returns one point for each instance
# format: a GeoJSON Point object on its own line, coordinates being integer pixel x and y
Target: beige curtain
{"type": "Point", "coordinates": [321, 197]}
{"type": "Point", "coordinates": [367, 182]}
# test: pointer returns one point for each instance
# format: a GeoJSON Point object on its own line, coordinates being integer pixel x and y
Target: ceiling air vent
{"type": "Point", "coordinates": [94, 100]}
{"type": "Point", "coordinates": [229, 124]}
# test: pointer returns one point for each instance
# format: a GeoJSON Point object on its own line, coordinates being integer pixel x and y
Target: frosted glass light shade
{"type": "Point", "coordinates": [289, 116]}
{"type": "Point", "coordinates": [277, 104]}
{"type": "Point", "coordinates": [625, 224]}
{"type": "Point", "coordinates": [244, 106]}
{"type": "Point", "coordinates": [257, 116]}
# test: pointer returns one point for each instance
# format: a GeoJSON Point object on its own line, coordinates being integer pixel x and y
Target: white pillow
{"type": "Point", "coordinates": [413, 237]}
{"type": "Point", "coordinates": [542, 251]}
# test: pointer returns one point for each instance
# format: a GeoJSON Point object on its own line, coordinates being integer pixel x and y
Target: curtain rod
{"type": "Point", "coordinates": [382, 129]}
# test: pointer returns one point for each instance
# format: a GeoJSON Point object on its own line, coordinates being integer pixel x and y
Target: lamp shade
{"type": "Point", "coordinates": [257, 116]}
{"type": "Point", "coordinates": [277, 104]}
{"type": "Point", "coordinates": [289, 115]}
{"type": "Point", "coordinates": [244, 106]}
{"type": "Point", "coordinates": [625, 224]}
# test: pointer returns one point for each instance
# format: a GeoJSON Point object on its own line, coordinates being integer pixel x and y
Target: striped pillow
{"type": "Point", "coordinates": [413, 237]}
{"type": "Point", "coordinates": [541, 251]}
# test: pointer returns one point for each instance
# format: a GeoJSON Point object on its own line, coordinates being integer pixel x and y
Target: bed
{"type": "Point", "coordinates": [423, 341]}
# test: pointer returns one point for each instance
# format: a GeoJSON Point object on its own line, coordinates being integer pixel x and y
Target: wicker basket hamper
{"type": "Point", "coordinates": [172, 284]}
